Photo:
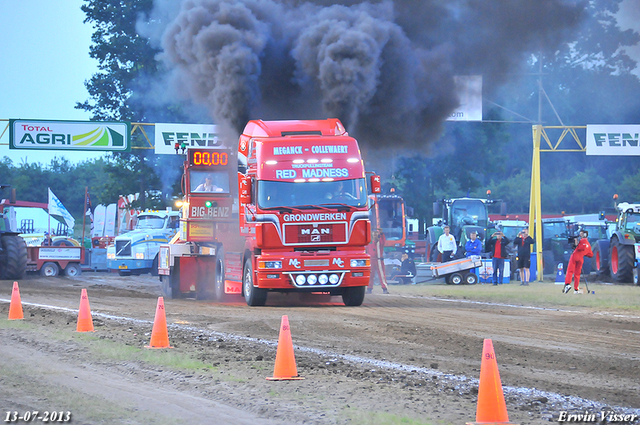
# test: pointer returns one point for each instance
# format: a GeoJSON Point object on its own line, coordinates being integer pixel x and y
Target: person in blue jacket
{"type": "Point", "coordinates": [473, 245]}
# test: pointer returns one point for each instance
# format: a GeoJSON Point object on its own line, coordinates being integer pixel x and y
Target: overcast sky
{"type": "Point", "coordinates": [44, 46]}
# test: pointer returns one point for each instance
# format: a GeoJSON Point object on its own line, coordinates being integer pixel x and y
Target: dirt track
{"type": "Point", "coordinates": [397, 356]}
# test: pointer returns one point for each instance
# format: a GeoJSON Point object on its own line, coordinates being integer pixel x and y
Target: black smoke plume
{"type": "Point", "coordinates": [384, 68]}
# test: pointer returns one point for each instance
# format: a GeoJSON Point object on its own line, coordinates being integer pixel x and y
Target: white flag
{"type": "Point", "coordinates": [56, 208]}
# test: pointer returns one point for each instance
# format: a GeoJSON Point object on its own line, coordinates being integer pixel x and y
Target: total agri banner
{"type": "Point", "coordinates": [191, 135]}
{"type": "Point", "coordinates": [69, 135]}
{"type": "Point", "coordinates": [613, 140]}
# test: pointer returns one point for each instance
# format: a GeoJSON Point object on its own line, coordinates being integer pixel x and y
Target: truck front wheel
{"type": "Point", "coordinates": [252, 295]}
{"type": "Point", "coordinates": [14, 257]}
{"type": "Point", "coordinates": [353, 296]}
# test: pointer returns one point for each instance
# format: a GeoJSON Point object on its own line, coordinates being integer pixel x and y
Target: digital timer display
{"type": "Point", "coordinates": [208, 158]}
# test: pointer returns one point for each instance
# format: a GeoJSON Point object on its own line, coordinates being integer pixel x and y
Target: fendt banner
{"type": "Point", "coordinates": [191, 135]}
{"type": "Point", "coordinates": [613, 140]}
{"type": "Point", "coordinates": [70, 135]}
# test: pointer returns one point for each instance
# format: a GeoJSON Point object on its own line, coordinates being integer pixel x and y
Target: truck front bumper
{"type": "Point", "coordinates": [128, 264]}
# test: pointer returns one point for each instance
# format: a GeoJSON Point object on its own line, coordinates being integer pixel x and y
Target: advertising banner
{"type": "Point", "coordinates": [69, 135]}
{"type": "Point", "coordinates": [192, 135]}
{"type": "Point", "coordinates": [59, 253]}
{"type": "Point", "coordinates": [469, 91]}
{"type": "Point", "coordinates": [613, 140]}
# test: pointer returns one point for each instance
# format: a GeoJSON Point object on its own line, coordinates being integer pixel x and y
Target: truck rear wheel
{"type": "Point", "coordinates": [219, 280]}
{"type": "Point", "coordinates": [252, 295]}
{"type": "Point", "coordinates": [14, 257]}
{"type": "Point", "coordinates": [50, 269]}
{"type": "Point", "coordinates": [167, 290]}
{"type": "Point", "coordinates": [353, 296]}
{"type": "Point", "coordinates": [621, 261]}
{"type": "Point", "coordinates": [470, 278]}
{"type": "Point", "coordinates": [73, 270]}
{"type": "Point", "coordinates": [600, 260]}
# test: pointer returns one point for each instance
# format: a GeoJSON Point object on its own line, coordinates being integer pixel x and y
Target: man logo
{"type": "Point", "coordinates": [315, 238]}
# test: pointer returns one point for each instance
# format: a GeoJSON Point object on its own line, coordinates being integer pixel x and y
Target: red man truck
{"type": "Point", "coordinates": [302, 221]}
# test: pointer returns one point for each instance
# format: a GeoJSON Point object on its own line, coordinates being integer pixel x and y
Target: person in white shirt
{"type": "Point", "coordinates": [447, 245]}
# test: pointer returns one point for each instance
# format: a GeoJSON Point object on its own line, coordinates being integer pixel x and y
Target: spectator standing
{"type": "Point", "coordinates": [47, 240]}
{"type": "Point", "coordinates": [447, 245]}
{"type": "Point", "coordinates": [473, 245]}
{"type": "Point", "coordinates": [497, 246]}
{"type": "Point", "coordinates": [523, 243]}
{"type": "Point", "coordinates": [575, 262]}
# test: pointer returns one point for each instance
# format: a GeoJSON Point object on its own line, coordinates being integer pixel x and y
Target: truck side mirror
{"type": "Point", "coordinates": [376, 186]}
{"type": "Point", "coordinates": [244, 189]}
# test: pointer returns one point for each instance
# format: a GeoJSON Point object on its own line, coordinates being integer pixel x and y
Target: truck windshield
{"type": "Point", "coordinates": [469, 212]}
{"type": "Point", "coordinates": [150, 222]}
{"type": "Point", "coordinates": [555, 230]}
{"type": "Point", "coordinates": [208, 181]}
{"type": "Point", "coordinates": [287, 194]}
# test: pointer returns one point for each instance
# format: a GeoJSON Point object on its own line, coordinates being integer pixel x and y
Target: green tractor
{"type": "Point", "coordinates": [555, 244]}
{"type": "Point", "coordinates": [616, 254]}
{"type": "Point", "coordinates": [13, 249]}
{"type": "Point", "coordinates": [462, 215]}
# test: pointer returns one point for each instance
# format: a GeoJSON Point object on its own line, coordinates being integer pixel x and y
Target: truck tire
{"type": "Point", "coordinates": [252, 295]}
{"type": "Point", "coordinates": [13, 260]}
{"type": "Point", "coordinates": [219, 279]}
{"type": "Point", "coordinates": [50, 269]}
{"type": "Point", "coordinates": [154, 267]}
{"type": "Point", "coordinates": [73, 270]}
{"type": "Point", "coordinates": [165, 283]}
{"type": "Point", "coordinates": [353, 296]}
{"type": "Point", "coordinates": [549, 265]}
{"type": "Point", "coordinates": [470, 278]}
{"type": "Point", "coordinates": [600, 260]}
{"type": "Point", "coordinates": [621, 260]}
{"type": "Point", "coordinates": [456, 279]}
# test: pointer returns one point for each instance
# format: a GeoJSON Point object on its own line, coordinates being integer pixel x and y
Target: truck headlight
{"type": "Point", "coordinates": [359, 263]}
{"type": "Point", "coordinates": [139, 255]}
{"type": "Point", "coordinates": [269, 264]}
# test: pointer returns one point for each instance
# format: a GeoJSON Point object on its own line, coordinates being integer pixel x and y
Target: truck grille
{"type": "Point", "coordinates": [315, 233]}
{"type": "Point", "coordinates": [123, 248]}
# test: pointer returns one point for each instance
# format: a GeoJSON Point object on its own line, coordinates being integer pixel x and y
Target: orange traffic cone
{"type": "Point", "coordinates": [85, 322]}
{"type": "Point", "coordinates": [285, 368]}
{"type": "Point", "coordinates": [15, 307]}
{"type": "Point", "coordinates": [492, 408]}
{"type": "Point", "coordinates": [159, 334]}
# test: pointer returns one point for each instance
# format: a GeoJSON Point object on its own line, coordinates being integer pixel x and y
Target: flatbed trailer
{"type": "Point", "coordinates": [53, 260]}
{"type": "Point", "coordinates": [458, 271]}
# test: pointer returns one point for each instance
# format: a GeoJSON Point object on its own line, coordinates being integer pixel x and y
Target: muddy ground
{"type": "Point", "coordinates": [399, 358]}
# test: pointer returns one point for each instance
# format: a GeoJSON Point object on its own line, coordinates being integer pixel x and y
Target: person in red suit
{"type": "Point", "coordinates": [583, 249]}
{"type": "Point", "coordinates": [376, 251]}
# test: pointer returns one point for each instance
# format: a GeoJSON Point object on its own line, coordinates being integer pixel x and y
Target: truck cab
{"type": "Point", "coordinates": [136, 252]}
{"type": "Point", "coordinates": [303, 210]}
